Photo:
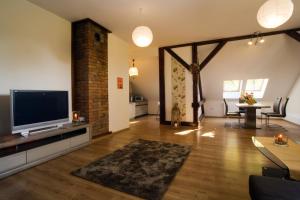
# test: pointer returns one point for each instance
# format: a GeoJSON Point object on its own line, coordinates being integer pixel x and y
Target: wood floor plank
{"type": "Point", "coordinates": [218, 166]}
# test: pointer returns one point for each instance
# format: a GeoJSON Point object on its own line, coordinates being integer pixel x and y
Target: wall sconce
{"type": "Point", "coordinates": [256, 38]}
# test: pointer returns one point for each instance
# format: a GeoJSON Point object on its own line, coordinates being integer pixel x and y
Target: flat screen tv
{"type": "Point", "coordinates": [36, 109]}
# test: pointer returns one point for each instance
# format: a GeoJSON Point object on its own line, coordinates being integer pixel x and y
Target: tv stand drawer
{"type": "Point", "coordinates": [12, 161]}
{"type": "Point", "coordinates": [47, 150]}
{"type": "Point", "coordinates": [78, 140]}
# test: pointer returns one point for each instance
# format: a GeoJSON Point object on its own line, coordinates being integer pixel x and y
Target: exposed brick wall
{"type": "Point", "coordinates": [90, 73]}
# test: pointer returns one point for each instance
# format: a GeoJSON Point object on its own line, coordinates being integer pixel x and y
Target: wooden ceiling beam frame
{"type": "Point", "coordinates": [235, 38]}
{"type": "Point", "coordinates": [195, 69]}
{"type": "Point", "coordinates": [212, 54]}
{"type": "Point", "coordinates": [178, 58]}
{"type": "Point", "coordinates": [294, 34]}
{"type": "Point", "coordinates": [162, 95]}
{"type": "Point", "coordinates": [195, 59]}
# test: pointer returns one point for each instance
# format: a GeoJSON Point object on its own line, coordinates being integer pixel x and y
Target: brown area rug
{"type": "Point", "coordinates": [142, 168]}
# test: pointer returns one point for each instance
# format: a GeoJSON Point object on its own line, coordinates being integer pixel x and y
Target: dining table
{"type": "Point", "coordinates": [250, 113]}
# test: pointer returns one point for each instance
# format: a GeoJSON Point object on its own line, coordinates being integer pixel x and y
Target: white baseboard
{"type": "Point", "coordinates": [294, 118]}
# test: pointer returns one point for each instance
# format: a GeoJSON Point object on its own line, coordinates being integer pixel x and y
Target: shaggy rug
{"type": "Point", "coordinates": [142, 168]}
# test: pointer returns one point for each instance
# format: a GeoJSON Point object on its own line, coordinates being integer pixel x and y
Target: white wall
{"type": "Point", "coordinates": [293, 108]}
{"type": "Point", "coordinates": [276, 59]}
{"type": "Point", "coordinates": [118, 98]}
{"type": "Point", "coordinates": [147, 83]}
{"type": "Point", "coordinates": [35, 52]}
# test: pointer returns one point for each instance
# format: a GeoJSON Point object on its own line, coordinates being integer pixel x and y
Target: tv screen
{"type": "Point", "coordinates": [37, 108]}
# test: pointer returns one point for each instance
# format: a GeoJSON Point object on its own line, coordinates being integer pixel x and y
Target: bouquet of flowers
{"type": "Point", "coordinates": [247, 98]}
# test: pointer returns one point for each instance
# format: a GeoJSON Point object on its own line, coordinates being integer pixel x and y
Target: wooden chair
{"type": "Point", "coordinates": [276, 108]}
{"type": "Point", "coordinates": [281, 115]}
{"type": "Point", "coordinates": [231, 114]}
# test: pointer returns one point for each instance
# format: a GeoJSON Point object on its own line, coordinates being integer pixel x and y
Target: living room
{"type": "Point", "coordinates": [215, 88]}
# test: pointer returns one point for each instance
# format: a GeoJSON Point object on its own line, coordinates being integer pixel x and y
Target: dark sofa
{"type": "Point", "coordinates": [270, 188]}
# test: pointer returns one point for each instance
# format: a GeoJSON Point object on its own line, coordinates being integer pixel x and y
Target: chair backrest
{"type": "Point", "coordinates": [226, 106]}
{"type": "Point", "coordinates": [276, 105]}
{"type": "Point", "coordinates": [283, 107]}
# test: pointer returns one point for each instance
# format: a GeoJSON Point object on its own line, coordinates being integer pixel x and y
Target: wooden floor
{"type": "Point", "coordinates": [218, 167]}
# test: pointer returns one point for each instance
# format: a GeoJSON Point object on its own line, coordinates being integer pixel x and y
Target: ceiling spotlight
{"type": "Point", "coordinates": [262, 40]}
{"type": "Point", "coordinates": [256, 38]}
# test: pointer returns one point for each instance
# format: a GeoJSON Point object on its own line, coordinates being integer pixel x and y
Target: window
{"type": "Point", "coordinates": [257, 87]}
{"type": "Point", "coordinates": [232, 89]}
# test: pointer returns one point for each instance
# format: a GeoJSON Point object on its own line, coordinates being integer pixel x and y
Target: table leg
{"type": "Point", "coordinates": [250, 118]}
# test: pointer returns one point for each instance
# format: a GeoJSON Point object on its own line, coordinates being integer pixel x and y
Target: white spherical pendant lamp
{"type": "Point", "coordinates": [274, 13]}
{"type": "Point", "coordinates": [142, 36]}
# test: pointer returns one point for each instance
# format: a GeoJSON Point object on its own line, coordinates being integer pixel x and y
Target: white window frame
{"type": "Point", "coordinates": [257, 93]}
{"type": "Point", "coordinates": [232, 94]}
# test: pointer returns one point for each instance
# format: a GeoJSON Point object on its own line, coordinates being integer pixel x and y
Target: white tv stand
{"type": "Point", "coordinates": [18, 153]}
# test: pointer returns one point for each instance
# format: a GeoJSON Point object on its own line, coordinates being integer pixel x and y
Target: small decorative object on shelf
{"type": "Point", "coordinates": [281, 139]}
{"type": "Point", "coordinates": [176, 116]}
{"type": "Point", "coordinates": [247, 98]}
{"type": "Point", "coordinates": [81, 119]}
{"type": "Point", "coordinates": [76, 117]}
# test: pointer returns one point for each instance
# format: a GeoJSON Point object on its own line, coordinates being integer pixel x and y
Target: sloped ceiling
{"type": "Point", "coordinates": [172, 21]}
{"type": "Point", "coordinates": [276, 60]}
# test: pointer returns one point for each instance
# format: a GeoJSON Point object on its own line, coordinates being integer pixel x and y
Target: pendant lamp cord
{"type": "Point", "coordinates": [141, 16]}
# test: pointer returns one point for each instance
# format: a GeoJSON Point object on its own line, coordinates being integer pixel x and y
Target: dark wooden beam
{"type": "Point", "coordinates": [201, 117]}
{"type": "Point", "coordinates": [162, 97]}
{"type": "Point", "coordinates": [201, 96]}
{"type": "Point", "coordinates": [195, 104]}
{"type": "Point", "coordinates": [235, 38]}
{"type": "Point", "coordinates": [195, 54]}
{"type": "Point", "coordinates": [196, 61]}
{"type": "Point", "coordinates": [212, 54]}
{"type": "Point", "coordinates": [294, 34]}
{"type": "Point", "coordinates": [178, 58]}
{"type": "Point", "coordinates": [195, 75]}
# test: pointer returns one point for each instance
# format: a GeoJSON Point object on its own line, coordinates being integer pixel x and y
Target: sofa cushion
{"type": "Point", "coordinates": [269, 188]}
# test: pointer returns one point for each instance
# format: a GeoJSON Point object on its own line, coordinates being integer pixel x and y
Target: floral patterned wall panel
{"type": "Point", "coordinates": [178, 87]}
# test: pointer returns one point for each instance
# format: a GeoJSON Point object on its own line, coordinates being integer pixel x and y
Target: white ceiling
{"type": "Point", "coordinates": [172, 21]}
